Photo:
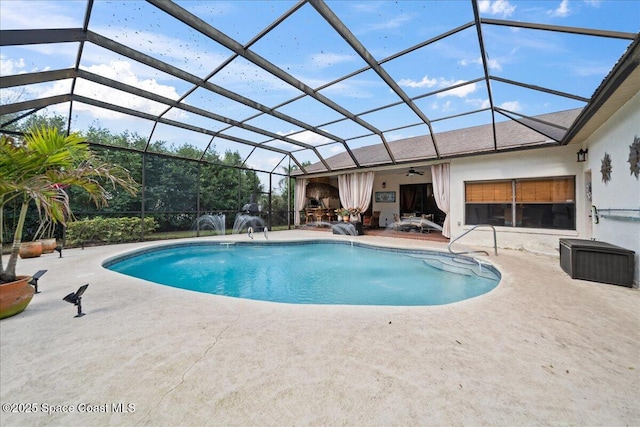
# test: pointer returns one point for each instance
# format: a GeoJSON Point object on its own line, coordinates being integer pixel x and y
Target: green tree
{"type": "Point", "coordinates": [123, 156]}
{"type": "Point", "coordinates": [171, 178]}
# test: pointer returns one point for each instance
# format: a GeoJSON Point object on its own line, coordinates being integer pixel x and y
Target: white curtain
{"type": "Point", "coordinates": [299, 199]}
{"type": "Point", "coordinates": [355, 190]}
{"type": "Point", "coordinates": [441, 183]}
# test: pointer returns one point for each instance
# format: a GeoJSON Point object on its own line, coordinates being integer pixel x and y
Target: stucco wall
{"type": "Point", "coordinates": [623, 191]}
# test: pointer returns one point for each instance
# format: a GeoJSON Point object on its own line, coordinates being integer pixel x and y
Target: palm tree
{"type": "Point", "coordinates": [38, 167]}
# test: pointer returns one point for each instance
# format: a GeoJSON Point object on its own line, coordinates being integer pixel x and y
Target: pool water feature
{"type": "Point", "coordinates": [315, 272]}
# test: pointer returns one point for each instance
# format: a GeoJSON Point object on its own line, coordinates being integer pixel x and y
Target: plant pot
{"type": "Point", "coordinates": [48, 245]}
{"type": "Point", "coordinates": [15, 296]}
{"type": "Point", "coordinates": [30, 249]}
{"type": "Point", "coordinates": [345, 218]}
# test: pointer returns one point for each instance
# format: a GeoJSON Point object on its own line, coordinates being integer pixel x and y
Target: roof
{"type": "Point", "coordinates": [339, 85]}
{"type": "Point", "coordinates": [473, 140]}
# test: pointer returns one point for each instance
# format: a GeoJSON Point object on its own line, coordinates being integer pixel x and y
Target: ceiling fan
{"type": "Point", "coordinates": [412, 172]}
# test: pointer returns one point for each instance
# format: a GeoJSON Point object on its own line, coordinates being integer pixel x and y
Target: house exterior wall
{"type": "Point", "coordinates": [623, 190]}
{"type": "Point", "coordinates": [545, 162]}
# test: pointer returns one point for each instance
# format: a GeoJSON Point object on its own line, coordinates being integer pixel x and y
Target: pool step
{"type": "Point", "coordinates": [462, 266]}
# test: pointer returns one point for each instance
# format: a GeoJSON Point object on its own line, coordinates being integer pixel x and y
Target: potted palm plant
{"type": "Point", "coordinates": [343, 214]}
{"type": "Point", "coordinates": [36, 168]}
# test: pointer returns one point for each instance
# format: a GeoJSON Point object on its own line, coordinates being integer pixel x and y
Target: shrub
{"type": "Point", "coordinates": [108, 230]}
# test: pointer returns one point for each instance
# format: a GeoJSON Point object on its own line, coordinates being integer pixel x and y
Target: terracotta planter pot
{"type": "Point", "coordinates": [345, 218]}
{"type": "Point", "coordinates": [30, 249]}
{"type": "Point", "coordinates": [15, 296]}
{"type": "Point", "coordinates": [48, 245]}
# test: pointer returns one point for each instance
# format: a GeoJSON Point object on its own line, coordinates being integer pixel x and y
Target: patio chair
{"type": "Point", "coordinates": [400, 224]}
{"type": "Point", "coordinates": [427, 224]}
{"type": "Point", "coordinates": [424, 226]}
{"type": "Point", "coordinates": [372, 221]}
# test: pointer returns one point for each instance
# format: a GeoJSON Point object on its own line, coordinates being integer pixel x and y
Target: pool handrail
{"type": "Point", "coordinates": [495, 241]}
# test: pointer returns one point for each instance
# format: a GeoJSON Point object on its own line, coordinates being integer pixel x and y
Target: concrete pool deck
{"type": "Point", "coordinates": [540, 349]}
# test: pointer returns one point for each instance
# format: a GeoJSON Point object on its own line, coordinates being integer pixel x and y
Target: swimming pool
{"type": "Point", "coordinates": [312, 272]}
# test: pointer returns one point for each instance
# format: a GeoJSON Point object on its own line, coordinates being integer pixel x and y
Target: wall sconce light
{"type": "Point", "coordinates": [384, 184]}
{"type": "Point", "coordinates": [582, 155]}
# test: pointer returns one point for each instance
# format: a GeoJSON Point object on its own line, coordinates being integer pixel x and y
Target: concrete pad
{"type": "Point", "coordinates": [540, 349]}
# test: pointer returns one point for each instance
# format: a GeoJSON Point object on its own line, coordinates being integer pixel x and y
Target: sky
{"type": "Point", "coordinates": [307, 48]}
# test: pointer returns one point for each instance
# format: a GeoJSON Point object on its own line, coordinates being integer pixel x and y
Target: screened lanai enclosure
{"type": "Point", "coordinates": [216, 107]}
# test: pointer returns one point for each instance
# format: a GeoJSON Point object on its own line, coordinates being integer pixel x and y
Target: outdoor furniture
{"type": "Point", "coordinates": [349, 228]}
{"type": "Point", "coordinates": [597, 261]}
{"type": "Point", "coordinates": [372, 221]}
{"type": "Point", "coordinates": [424, 226]}
{"type": "Point", "coordinates": [308, 216]}
{"type": "Point", "coordinates": [331, 215]}
{"type": "Point", "coordinates": [401, 224]}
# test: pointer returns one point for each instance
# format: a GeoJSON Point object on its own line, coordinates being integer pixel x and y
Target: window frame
{"type": "Point", "coordinates": [547, 203]}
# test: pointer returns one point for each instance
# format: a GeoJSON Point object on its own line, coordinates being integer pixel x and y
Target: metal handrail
{"type": "Point", "coordinates": [495, 240]}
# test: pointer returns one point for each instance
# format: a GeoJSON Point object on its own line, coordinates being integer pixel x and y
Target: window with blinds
{"type": "Point", "coordinates": [532, 203]}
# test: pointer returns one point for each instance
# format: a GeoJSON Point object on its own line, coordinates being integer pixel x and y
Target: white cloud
{"type": "Point", "coordinates": [335, 148]}
{"type": "Point", "coordinates": [9, 67]}
{"type": "Point", "coordinates": [264, 162]}
{"type": "Point", "coordinates": [10, 95]}
{"type": "Point", "coordinates": [561, 11]}
{"type": "Point", "coordinates": [396, 22]}
{"type": "Point", "coordinates": [396, 136]}
{"type": "Point", "coordinates": [123, 72]}
{"type": "Point", "coordinates": [441, 83]}
{"type": "Point", "coordinates": [193, 55]}
{"type": "Point", "coordinates": [497, 7]}
{"type": "Point", "coordinates": [116, 70]}
{"type": "Point", "coordinates": [460, 92]}
{"type": "Point", "coordinates": [478, 103]}
{"type": "Point", "coordinates": [306, 137]}
{"type": "Point", "coordinates": [511, 106]}
{"type": "Point", "coordinates": [368, 7]}
{"type": "Point", "coordinates": [353, 88]}
{"type": "Point", "coordinates": [28, 14]}
{"type": "Point", "coordinates": [590, 69]}
{"type": "Point", "coordinates": [493, 64]}
{"type": "Point", "coordinates": [446, 107]}
{"type": "Point", "coordinates": [425, 82]}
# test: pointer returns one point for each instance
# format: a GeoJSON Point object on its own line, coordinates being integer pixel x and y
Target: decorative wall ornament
{"type": "Point", "coordinates": [385, 197]}
{"type": "Point", "coordinates": [588, 191]}
{"type": "Point", "coordinates": [605, 169]}
{"type": "Point", "coordinates": [634, 156]}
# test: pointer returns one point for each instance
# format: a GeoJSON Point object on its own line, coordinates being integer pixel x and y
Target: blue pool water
{"type": "Point", "coordinates": [312, 273]}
